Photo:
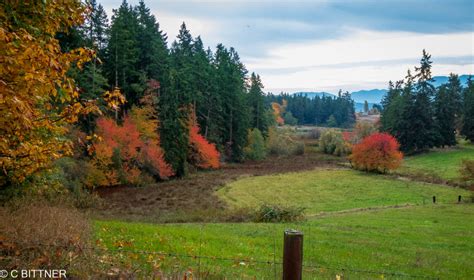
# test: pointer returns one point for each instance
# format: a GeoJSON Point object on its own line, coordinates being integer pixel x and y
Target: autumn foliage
{"type": "Point", "coordinates": [377, 152]}
{"type": "Point", "coordinates": [278, 110]}
{"type": "Point", "coordinates": [202, 153]}
{"type": "Point", "coordinates": [37, 99]}
{"type": "Point", "coordinates": [123, 154]}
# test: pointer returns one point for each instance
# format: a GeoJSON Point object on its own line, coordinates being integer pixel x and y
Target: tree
{"type": "Point", "coordinates": [255, 149]}
{"type": "Point", "coordinates": [290, 119]}
{"type": "Point", "coordinates": [256, 104]}
{"type": "Point", "coordinates": [332, 122]}
{"type": "Point", "coordinates": [468, 111]}
{"type": "Point", "coordinates": [446, 109]}
{"type": "Point", "coordinates": [366, 107]}
{"type": "Point", "coordinates": [122, 54]}
{"type": "Point", "coordinates": [230, 86]}
{"type": "Point", "coordinates": [38, 100]}
{"type": "Point", "coordinates": [153, 56]}
{"type": "Point", "coordinates": [176, 103]}
{"type": "Point", "coordinates": [378, 152]}
{"type": "Point", "coordinates": [423, 118]}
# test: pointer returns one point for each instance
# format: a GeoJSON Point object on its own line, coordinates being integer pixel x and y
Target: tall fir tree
{"type": "Point", "coordinates": [122, 54]}
{"type": "Point", "coordinates": [467, 129]}
{"type": "Point", "coordinates": [447, 105]}
{"type": "Point", "coordinates": [422, 117]}
{"type": "Point", "coordinates": [403, 126]}
{"type": "Point", "coordinates": [153, 58]}
{"type": "Point", "coordinates": [256, 104]}
{"type": "Point", "coordinates": [176, 101]}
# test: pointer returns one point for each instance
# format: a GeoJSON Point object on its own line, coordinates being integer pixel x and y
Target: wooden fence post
{"type": "Point", "coordinates": [293, 255]}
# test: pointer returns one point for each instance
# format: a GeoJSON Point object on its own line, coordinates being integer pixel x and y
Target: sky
{"type": "Point", "coordinates": [327, 45]}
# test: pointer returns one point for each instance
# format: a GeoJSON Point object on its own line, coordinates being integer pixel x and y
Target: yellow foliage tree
{"type": "Point", "coordinates": [37, 99]}
{"type": "Point", "coordinates": [279, 110]}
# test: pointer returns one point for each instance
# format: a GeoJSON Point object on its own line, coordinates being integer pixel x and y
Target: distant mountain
{"type": "Point", "coordinates": [439, 80]}
{"type": "Point", "coordinates": [372, 95]}
{"type": "Point", "coordinates": [313, 94]}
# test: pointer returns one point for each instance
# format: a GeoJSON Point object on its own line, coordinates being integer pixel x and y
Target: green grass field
{"type": "Point", "coordinates": [438, 164]}
{"type": "Point", "coordinates": [433, 241]}
{"type": "Point", "coordinates": [332, 190]}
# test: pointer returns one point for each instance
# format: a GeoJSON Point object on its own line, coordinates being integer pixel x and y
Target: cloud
{"type": "Point", "coordinates": [328, 44]}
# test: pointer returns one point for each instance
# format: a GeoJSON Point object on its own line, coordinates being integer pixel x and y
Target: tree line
{"type": "Point", "coordinates": [213, 85]}
{"type": "Point", "coordinates": [421, 116]}
{"type": "Point", "coordinates": [330, 111]}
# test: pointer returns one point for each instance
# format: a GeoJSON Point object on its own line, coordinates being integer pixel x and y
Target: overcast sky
{"type": "Point", "coordinates": [325, 45]}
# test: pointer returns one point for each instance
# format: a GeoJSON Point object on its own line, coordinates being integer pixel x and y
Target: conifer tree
{"type": "Point", "coordinates": [176, 103]}
{"type": "Point", "coordinates": [122, 54]}
{"type": "Point", "coordinates": [422, 116]}
{"type": "Point", "coordinates": [446, 107]}
{"type": "Point", "coordinates": [467, 129]}
{"type": "Point", "coordinates": [256, 104]}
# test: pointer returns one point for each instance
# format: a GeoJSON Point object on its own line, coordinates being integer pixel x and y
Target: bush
{"type": "Point", "coordinates": [467, 170]}
{"type": "Point", "coordinates": [255, 149]}
{"type": "Point", "coordinates": [332, 142]}
{"type": "Point", "coordinates": [362, 130]}
{"type": "Point", "coordinates": [280, 143]}
{"type": "Point", "coordinates": [378, 152]}
{"type": "Point", "coordinates": [274, 213]}
{"type": "Point", "coordinates": [203, 154]}
{"type": "Point", "coordinates": [36, 234]}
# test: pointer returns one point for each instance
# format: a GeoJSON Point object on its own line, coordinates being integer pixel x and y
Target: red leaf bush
{"type": "Point", "coordinates": [202, 153]}
{"type": "Point", "coordinates": [123, 155]}
{"type": "Point", "coordinates": [377, 152]}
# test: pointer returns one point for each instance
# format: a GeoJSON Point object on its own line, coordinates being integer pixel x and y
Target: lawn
{"type": "Point", "coordinates": [332, 190]}
{"type": "Point", "coordinates": [430, 240]}
{"type": "Point", "coordinates": [444, 164]}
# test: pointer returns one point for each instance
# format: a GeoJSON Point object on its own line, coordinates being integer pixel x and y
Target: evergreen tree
{"type": "Point", "coordinates": [404, 111]}
{"type": "Point", "coordinates": [256, 104]}
{"type": "Point", "coordinates": [422, 117]}
{"type": "Point", "coordinates": [446, 106]}
{"type": "Point", "coordinates": [122, 54]}
{"type": "Point", "coordinates": [467, 129]}
{"type": "Point", "coordinates": [230, 86]}
{"type": "Point", "coordinates": [153, 59]}
{"type": "Point", "coordinates": [175, 103]}
{"type": "Point", "coordinates": [390, 107]}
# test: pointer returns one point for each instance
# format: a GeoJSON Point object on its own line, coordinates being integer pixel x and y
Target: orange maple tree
{"type": "Point", "coordinates": [377, 152]}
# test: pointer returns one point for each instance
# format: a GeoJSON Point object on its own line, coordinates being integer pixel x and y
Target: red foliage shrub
{"type": "Point", "coordinates": [122, 153]}
{"type": "Point", "coordinates": [202, 153]}
{"type": "Point", "coordinates": [376, 152]}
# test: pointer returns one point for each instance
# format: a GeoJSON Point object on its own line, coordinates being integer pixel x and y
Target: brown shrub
{"type": "Point", "coordinates": [37, 234]}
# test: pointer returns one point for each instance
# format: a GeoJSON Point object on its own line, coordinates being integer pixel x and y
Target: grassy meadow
{"type": "Point", "coordinates": [359, 226]}
{"type": "Point", "coordinates": [435, 241]}
{"type": "Point", "coordinates": [442, 164]}
{"type": "Point", "coordinates": [332, 190]}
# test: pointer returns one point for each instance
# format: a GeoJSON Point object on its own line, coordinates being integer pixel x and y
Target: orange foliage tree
{"type": "Point", "coordinates": [201, 153]}
{"type": "Point", "coordinates": [278, 110]}
{"type": "Point", "coordinates": [37, 99]}
{"type": "Point", "coordinates": [377, 152]}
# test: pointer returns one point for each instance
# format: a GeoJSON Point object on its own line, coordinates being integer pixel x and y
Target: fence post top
{"type": "Point", "coordinates": [293, 232]}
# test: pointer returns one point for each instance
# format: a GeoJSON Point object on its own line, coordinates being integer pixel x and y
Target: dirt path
{"type": "Point", "coordinates": [193, 198]}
